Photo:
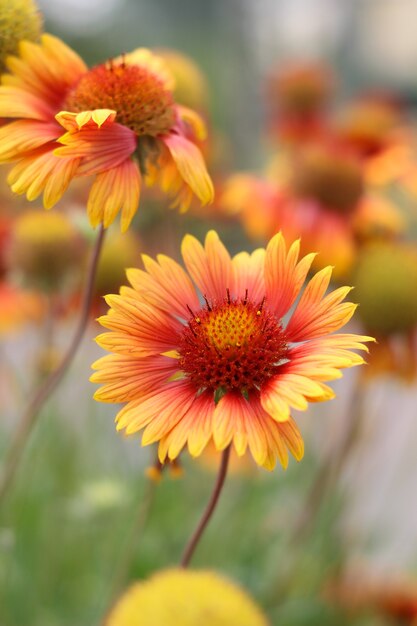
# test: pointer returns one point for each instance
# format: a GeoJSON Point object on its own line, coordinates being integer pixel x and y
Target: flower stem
{"type": "Point", "coordinates": [195, 538]}
{"type": "Point", "coordinates": [41, 395]}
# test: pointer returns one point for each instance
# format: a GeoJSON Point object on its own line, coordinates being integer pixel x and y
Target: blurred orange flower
{"type": "Point", "coordinates": [18, 307]}
{"type": "Point", "coordinates": [228, 370]}
{"type": "Point", "coordinates": [297, 95]}
{"type": "Point", "coordinates": [391, 595]}
{"type": "Point", "coordinates": [119, 118]}
{"type": "Point", "coordinates": [318, 195]}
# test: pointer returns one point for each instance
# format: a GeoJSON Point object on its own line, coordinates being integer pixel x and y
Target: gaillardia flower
{"type": "Point", "coordinates": [228, 369]}
{"type": "Point", "coordinates": [181, 597]}
{"type": "Point", "coordinates": [116, 121]}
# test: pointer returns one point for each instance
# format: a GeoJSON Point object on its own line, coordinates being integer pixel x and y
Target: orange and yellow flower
{"type": "Point", "coordinates": [18, 307]}
{"type": "Point", "coordinates": [116, 121]}
{"type": "Point", "coordinates": [317, 194]}
{"type": "Point", "coordinates": [228, 370]}
{"type": "Point", "coordinates": [297, 98]}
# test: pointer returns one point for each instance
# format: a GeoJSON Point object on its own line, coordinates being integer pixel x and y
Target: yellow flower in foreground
{"type": "Point", "coordinates": [116, 121]}
{"type": "Point", "coordinates": [228, 370]}
{"type": "Point", "coordinates": [180, 597]}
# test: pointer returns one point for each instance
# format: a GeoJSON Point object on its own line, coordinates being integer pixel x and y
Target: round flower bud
{"type": "Point", "coordinates": [329, 176]}
{"type": "Point", "coordinates": [19, 19]}
{"type": "Point", "coordinates": [386, 287]}
{"type": "Point", "coordinates": [120, 251]}
{"type": "Point", "coordinates": [181, 597]}
{"type": "Point", "coordinates": [44, 248]}
{"type": "Point", "coordinates": [300, 89]}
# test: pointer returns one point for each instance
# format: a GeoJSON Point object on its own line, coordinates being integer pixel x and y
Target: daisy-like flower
{"type": "Point", "coordinates": [318, 195]}
{"type": "Point", "coordinates": [230, 369]}
{"type": "Point", "coordinates": [118, 121]}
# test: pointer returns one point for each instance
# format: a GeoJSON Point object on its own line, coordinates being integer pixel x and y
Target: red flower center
{"type": "Point", "coordinates": [139, 97]}
{"type": "Point", "coordinates": [233, 345]}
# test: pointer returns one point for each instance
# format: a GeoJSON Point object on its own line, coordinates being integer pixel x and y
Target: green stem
{"type": "Point", "coordinates": [196, 536]}
{"type": "Point", "coordinates": [48, 386]}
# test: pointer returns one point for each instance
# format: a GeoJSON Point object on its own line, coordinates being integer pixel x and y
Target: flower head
{"type": "Point", "coordinates": [298, 96]}
{"type": "Point", "coordinates": [228, 369]}
{"type": "Point", "coordinates": [181, 597]}
{"type": "Point", "coordinates": [45, 248]}
{"type": "Point", "coordinates": [329, 177]}
{"type": "Point", "coordinates": [117, 121]}
{"type": "Point", "coordinates": [368, 126]}
{"type": "Point", "coordinates": [386, 273]}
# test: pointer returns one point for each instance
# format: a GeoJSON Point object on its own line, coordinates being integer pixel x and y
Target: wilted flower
{"type": "Point", "coordinates": [229, 370]}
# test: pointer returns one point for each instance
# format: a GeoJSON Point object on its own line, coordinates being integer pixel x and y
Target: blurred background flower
{"type": "Point", "coordinates": [186, 598]}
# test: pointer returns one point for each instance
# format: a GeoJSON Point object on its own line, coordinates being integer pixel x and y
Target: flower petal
{"type": "Point", "coordinates": [249, 275]}
{"type": "Point", "coordinates": [23, 136]}
{"type": "Point", "coordinates": [289, 390]}
{"type": "Point", "coordinates": [99, 142]}
{"type": "Point", "coordinates": [317, 315]}
{"type": "Point", "coordinates": [127, 378]}
{"type": "Point", "coordinates": [157, 411]}
{"type": "Point", "coordinates": [195, 427]}
{"type": "Point", "coordinates": [166, 285]}
{"type": "Point", "coordinates": [137, 329]}
{"type": "Point", "coordinates": [46, 70]}
{"type": "Point", "coordinates": [191, 166]}
{"type": "Point", "coordinates": [210, 267]}
{"type": "Point", "coordinates": [284, 277]}
{"type": "Point", "coordinates": [43, 171]}
{"type": "Point", "coordinates": [116, 189]}
{"type": "Point", "coordinates": [15, 102]}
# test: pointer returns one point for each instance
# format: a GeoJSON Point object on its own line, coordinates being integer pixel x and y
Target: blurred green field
{"type": "Point", "coordinates": [69, 520]}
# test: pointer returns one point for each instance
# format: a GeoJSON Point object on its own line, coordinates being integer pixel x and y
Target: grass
{"type": "Point", "coordinates": [68, 520]}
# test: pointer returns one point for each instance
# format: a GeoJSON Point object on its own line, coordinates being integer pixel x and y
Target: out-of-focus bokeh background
{"type": "Point", "coordinates": [311, 110]}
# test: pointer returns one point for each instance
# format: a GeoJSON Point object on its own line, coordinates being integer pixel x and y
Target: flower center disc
{"type": "Point", "coordinates": [139, 97]}
{"type": "Point", "coordinates": [332, 179]}
{"type": "Point", "coordinates": [234, 345]}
